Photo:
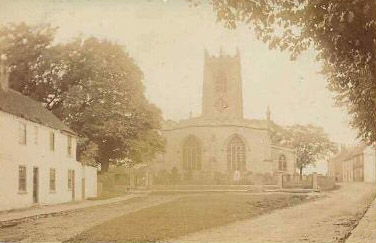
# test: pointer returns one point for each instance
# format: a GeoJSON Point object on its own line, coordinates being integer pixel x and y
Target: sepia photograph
{"type": "Point", "coordinates": [188, 121]}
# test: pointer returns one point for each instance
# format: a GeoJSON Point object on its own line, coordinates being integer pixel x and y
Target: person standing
{"type": "Point", "coordinates": [236, 177]}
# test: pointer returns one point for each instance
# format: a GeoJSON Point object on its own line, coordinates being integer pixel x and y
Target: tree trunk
{"type": "Point", "coordinates": [301, 172]}
{"type": "Point", "coordinates": [104, 165]}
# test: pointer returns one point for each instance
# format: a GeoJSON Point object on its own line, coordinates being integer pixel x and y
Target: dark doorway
{"type": "Point", "coordinates": [83, 188]}
{"type": "Point", "coordinates": [35, 185]}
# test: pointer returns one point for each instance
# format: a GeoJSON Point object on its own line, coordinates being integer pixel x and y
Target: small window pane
{"type": "Point", "coordinates": [236, 154]}
{"type": "Point", "coordinates": [191, 154]}
{"type": "Point", "coordinates": [22, 178]}
{"type": "Point", "coordinates": [22, 133]}
{"type": "Point", "coordinates": [52, 179]}
{"type": "Point", "coordinates": [52, 141]}
{"type": "Point", "coordinates": [69, 146]}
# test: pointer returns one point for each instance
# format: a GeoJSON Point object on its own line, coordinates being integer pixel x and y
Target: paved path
{"type": "Point", "coordinates": [53, 209]}
{"type": "Point", "coordinates": [325, 220]}
{"type": "Point", "coordinates": [366, 229]}
{"type": "Point", "coordinates": [63, 226]}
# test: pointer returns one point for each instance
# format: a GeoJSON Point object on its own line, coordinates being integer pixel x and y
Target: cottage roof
{"type": "Point", "coordinates": [19, 105]}
{"type": "Point", "coordinates": [347, 154]}
{"type": "Point", "coordinates": [355, 151]}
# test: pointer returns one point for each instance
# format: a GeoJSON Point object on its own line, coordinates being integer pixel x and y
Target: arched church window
{"type": "Point", "coordinates": [282, 165]}
{"type": "Point", "coordinates": [191, 154]}
{"type": "Point", "coordinates": [236, 154]}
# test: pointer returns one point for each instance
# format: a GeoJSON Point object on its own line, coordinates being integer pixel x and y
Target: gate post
{"type": "Point", "coordinates": [314, 181]}
{"type": "Point", "coordinates": [280, 180]}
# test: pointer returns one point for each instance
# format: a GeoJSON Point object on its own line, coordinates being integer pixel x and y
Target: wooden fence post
{"type": "Point", "coordinates": [314, 181]}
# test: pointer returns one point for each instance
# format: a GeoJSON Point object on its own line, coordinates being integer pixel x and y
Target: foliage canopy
{"type": "Point", "coordinates": [92, 85]}
{"type": "Point", "coordinates": [341, 32]}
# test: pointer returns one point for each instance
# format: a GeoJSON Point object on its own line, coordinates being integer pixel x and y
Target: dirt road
{"type": "Point", "coordinates": [66, 225]}
{"type": "Point", "coordinates": [325, 220]}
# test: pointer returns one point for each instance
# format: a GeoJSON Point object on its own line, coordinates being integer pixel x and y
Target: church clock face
{"type": "Point", "coordinates": [221, 105]}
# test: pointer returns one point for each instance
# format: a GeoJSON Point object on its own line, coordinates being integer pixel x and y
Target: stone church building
{"type": "Point", "coordinates": [211, 147]}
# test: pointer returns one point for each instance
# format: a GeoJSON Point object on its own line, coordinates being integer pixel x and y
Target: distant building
{"type": "Point", "coordinates": [353, 164]}
{"type": "Point", "coordinates": [38, 155]}
{"type": "Point", "coordinates": [221, 141]}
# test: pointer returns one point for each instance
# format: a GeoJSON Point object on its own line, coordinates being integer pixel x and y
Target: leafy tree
{"type": "Point", "coordinates": [26, 48]}
{"type": "Point", "coordinates": [95, 88]}
{"type": "Point", "coordinates": [311, 143]}
{"type": "Point", "coordinates": [342, 33]}
{"type": "Point", "coordinates": [106, 102]}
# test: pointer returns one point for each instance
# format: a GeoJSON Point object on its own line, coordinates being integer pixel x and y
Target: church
{"type": "Point", "coordinates": [208, 149]}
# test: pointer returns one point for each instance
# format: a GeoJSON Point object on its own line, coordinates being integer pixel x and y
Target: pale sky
{"type": "Point", "coordinates": [167, 39]}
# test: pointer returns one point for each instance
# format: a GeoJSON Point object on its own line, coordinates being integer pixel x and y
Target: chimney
{"type": "Point", "coordinates": [237, 53]}
{"type": "Point", "coordinates": [268, 114]}
{"type": "Point", "coordinates": [4, 78]}
{"type": "Point", "coordinates": [206, 54]}
{"type": "Point", "coordinates": [268, 117]}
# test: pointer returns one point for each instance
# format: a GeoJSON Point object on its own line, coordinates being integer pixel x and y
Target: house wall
{"type": "Point", "coordinates": [360, 167]}
{"type": "Point", "coordinates": [369, 165]}
{"type": "Point", "coordinates": [348, 170]}
{"type": "Point", "coordinates": [90, 175]}
{"type": "Point", "coordinates": [36, 153]}
{"type": "Point", "coordinates": [338, 170]}
{"type": "Point", "coordinates": [335, 169]}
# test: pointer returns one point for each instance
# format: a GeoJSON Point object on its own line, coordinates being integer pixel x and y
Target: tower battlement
{"type": "Point", "coordinates": [221, 56]}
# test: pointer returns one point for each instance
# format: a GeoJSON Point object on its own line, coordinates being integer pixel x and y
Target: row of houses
{"type": "Point", "coordinates": [353, 164]}
{"type": "Point", "coordinates": [38, 155]}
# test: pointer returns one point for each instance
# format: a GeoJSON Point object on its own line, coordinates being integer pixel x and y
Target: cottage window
{"type": "Point", "coordinates": [236, 154]}
{"type": "Point", "coordinates": [52, 141]}
{"type": "Point", "coordinates": [22, 178]}
{"type": "Point", "coordinates": [282, 165]}
{"type": "Point", "coordinates": [191, 154]}
{"type": "Point", "coordinates": [52, 180]}
{"type": "Point", "coordinates": [70, 179]}
{"type": "Point", "coordinates": [22, 133]}
{"type": "Point", "coordinates": [35, 135]}
{"type": "Point", "coordinates": [69, 146]}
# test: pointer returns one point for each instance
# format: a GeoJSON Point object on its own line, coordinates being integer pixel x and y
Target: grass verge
{"type": "Point", "coordinates": [187, 215]}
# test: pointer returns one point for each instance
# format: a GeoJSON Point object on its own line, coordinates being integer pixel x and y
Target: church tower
{"type": "Point", "coordinates": [222, 89]}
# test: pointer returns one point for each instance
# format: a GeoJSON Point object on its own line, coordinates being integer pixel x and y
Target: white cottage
{"type": "Point", "coordinates": [38, 155]}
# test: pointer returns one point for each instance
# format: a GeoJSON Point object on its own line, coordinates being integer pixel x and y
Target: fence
{"type": "Point", "coordinates": [313, 181]}
{"type": "Point", "coordinates": [295, 181]}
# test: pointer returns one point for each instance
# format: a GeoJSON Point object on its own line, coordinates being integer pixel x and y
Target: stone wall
{"type": "Point", "coordinates": [326, 182]}
{"type": "Point", "coordinates": [214, 142]}
{"type": "Point", "coordinates": [313, 181]}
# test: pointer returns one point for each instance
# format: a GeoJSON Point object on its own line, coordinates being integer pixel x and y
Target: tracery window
{"type": "Point", "coordinates": [236, 154]}
{"type": "Point", "coordinates": [191, 154]}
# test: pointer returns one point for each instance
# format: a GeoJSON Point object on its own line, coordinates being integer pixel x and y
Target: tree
{"type": "Point", "coordinates": [342, 33]}
{"type": "Point", "coordinates": [96, 89]}
{"type": "Point", "coordinates": [106, 102]}
{"type": "Point", "coordinates": [27, 50]}
{"type": "Point", "coordinates": [311, 143]}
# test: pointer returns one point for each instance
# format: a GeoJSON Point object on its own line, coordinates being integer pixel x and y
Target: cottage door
{"type": "Point", "coordinates": [83, 189]}
{"type": "Point", "coordinates": [35, 185]}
